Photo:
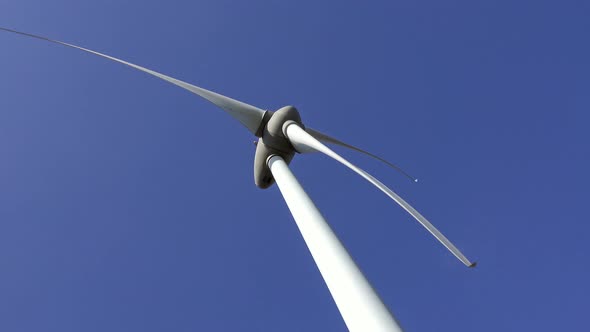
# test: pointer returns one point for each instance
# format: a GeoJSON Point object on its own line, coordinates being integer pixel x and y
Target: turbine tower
{"type": "Point", "coordinates": [282, 134]}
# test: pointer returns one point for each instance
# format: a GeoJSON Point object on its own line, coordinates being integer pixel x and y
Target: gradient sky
{"type": "Point", "coordinates": [128, 204]}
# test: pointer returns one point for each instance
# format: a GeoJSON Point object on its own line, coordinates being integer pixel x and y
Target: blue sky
{"type": "Point", "coordinates": [128, 204]}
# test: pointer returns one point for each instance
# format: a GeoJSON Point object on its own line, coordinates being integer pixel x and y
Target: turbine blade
{"type": "Point", "coordinates": [303, 141]}
{"type": "Point", "coordinates": [327, 139]}
{"type": "Point", "coordinates": [250, 116]}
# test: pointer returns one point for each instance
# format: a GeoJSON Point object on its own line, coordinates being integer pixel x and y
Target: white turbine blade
{"type": "Point", "coordinates": [250, 116]}
{"type": "Point", "coordinates": [327, 139]}
{"type": "Point", "coordinates": [303, 141]}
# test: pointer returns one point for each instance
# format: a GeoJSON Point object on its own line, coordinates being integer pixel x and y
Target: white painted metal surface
{"type": "Point", "coordinates": [360, 306]}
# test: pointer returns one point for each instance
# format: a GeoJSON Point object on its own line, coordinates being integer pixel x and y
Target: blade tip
{"type": "Point", "coordinates": [472, 265]}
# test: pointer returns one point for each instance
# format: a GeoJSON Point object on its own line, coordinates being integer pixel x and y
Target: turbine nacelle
{"type": "Point", "coordinates": [274, 142]}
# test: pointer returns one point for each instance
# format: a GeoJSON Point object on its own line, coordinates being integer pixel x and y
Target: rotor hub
{"type": "Point", "coordinates": [274, 142]}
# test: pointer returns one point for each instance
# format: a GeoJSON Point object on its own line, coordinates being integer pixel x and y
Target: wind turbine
{"type": "Point", "coordinates": [281, 134]}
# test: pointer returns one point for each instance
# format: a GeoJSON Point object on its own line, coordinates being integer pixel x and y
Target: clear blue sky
{"type": "Point", "coordinates": [128, 204]}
